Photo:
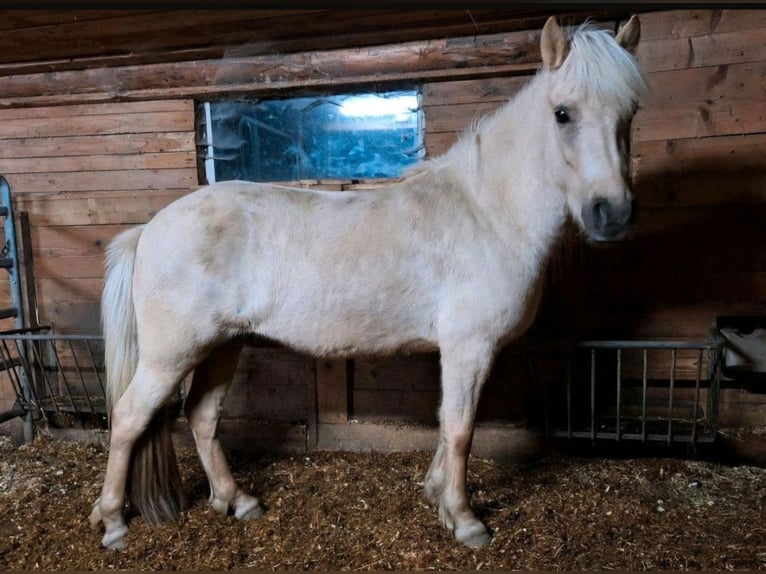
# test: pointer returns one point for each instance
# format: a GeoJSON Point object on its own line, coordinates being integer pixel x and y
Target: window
{"type": "Point", "coordinates": [350, 136]}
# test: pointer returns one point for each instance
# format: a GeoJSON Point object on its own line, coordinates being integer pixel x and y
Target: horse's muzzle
{"type": "Point", "coordinates": [608, 220]}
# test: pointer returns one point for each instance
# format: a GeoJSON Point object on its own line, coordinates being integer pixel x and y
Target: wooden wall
{"type": "Point", "coordinates": [83, 172]}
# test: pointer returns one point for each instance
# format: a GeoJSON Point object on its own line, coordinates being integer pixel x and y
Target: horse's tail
{"type": "Point", "coordinates": [154, 483]}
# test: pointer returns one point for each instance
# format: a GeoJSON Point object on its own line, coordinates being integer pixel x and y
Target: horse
{"type": "Point", "coordinates": [449, 257]}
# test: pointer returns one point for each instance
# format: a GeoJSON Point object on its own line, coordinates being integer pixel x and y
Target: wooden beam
{"type": "Point", "coordinates": [332, 390]}
{"type": "Point", "coordinates": [455, 58]}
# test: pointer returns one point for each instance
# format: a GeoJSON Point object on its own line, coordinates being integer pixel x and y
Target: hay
{"type": "Point", "coordinates": [366, 511]}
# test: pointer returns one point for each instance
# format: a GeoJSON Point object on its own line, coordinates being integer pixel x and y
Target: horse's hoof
{"type": "Point", "coordinates": [474, 535]}
{"type": "Point", "coordinates": [250, 511]}
{"type": "Point", "coordinates": [115, 540]}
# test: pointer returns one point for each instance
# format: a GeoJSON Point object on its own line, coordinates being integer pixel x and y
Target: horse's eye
{"type": "Point", "coordinates": [562, 115]}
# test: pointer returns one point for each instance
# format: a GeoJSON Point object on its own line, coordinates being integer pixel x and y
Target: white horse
{"type": "Point", "coordinates": [450, 257]}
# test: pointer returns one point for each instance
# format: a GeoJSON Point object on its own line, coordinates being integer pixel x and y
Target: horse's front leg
{"type": "Point", "coordinates": [464, 369]}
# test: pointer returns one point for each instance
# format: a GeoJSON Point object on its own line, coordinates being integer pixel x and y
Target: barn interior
{"type": "Point", "coordinates": [659, 339]}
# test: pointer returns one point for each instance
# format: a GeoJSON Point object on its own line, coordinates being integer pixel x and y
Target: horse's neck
{"type": "Point", "coordinates": [506, 177]}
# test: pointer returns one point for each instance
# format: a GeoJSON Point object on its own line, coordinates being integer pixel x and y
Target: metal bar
{"type": "Point", "coordinates": [62, 376]}
{"type": "Point", "coordinates": [546, 406]}
{"type": "Point", "coordinates": [651, 437]}
{"type": "Point", "coordinates": [46, 380]}
{"type": "Point", "coordinates": [8, 364]}
{"type": "Point", "coordinates": [644, 377]}
{"type": "Point", "coordinates": [11, 263]}
{"type": "Point", "coordinates": [569, 393]}
{"type": "Point", "coordinates": [714, 368]}
{"type": "Point", "coordinates": [670, 393]}
{"type": "Point", "coordinates": [634, 344]}
{"type": "Point", "coordinates": [593, 394]}
{"type": "Point", "coordinates": [619, 387]}
{"type": "Point", "coordinates": [79, 376]}
{"type": "Point", "coordinates": [697, 381]}
{"type": "Point", "coordinates": [95, 370]}
{"type": "Point", "coordinates": [23, 335]}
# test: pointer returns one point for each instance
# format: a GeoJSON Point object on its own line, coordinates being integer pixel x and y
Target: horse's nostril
{"type": "Point", "coordinates": [602, 213]}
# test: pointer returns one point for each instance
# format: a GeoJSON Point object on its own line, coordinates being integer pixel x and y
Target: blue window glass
{"type": "Point", "coordinates": [350, 136]}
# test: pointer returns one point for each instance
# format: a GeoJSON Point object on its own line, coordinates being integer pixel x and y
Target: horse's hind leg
{"type": "Point", "coordinates": [464, 370]}
{"type": "Point", "coordinates": [148, 391]}
{"type": "Point", "coordinates": [203, 407]}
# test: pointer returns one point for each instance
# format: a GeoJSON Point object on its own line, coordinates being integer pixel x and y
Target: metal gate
{"type": "Point", "coordinates": [53, 374]}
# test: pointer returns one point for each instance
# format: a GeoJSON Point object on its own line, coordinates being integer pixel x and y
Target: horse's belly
{"type": "Point", "coordinates": [343, 332]}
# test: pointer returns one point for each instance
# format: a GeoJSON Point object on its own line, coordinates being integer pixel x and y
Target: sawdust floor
{"type": "Point", "coordinates": [366, 511]}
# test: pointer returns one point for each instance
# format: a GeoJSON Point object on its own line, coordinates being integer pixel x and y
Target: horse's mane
{"type": "Point", "coordinates": [603, 69]}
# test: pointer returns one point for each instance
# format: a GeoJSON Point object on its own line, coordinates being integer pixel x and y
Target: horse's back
{"type": "Point", "coordinates": [328, 272]}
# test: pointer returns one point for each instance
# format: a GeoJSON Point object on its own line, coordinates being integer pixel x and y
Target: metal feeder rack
{"type": "Point", "coordinates": [647, 391]}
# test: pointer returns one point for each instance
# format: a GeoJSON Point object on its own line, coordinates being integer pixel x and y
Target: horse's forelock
{"type": "Point", "coordinates": [604, 69]}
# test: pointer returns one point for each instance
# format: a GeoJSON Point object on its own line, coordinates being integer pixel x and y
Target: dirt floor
{"type": "Point", "coordinates": [366, 511]}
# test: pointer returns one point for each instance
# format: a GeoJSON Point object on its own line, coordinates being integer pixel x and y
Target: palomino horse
{"type": "Point", "coordinates": [450, 257]}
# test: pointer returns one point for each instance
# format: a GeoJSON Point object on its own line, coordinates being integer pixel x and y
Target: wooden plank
{"type": "Point", "coordinates": [471, 56]}
{"type": "Point", "coordinates": [700, 22]}
{"type": "Point", "coordinates": [16, 19]}
{"type": "Point", "coordinates": [332, 390]}
{"type": "Point", "coordinates": [437, 144]}
{"type": "Point", "coordinates": [69, 267]}
{"type": "Point", "coordinates": [95, 208]}
{"type": "Point", "coordinates": [248, 436]}
{"type": "Point", "coordinates": [418, 372]}
{"type": "Point", "coordinates": [144, 36]}
{"type": "Point", "coordinates": [698, 51]}
{"type": "Point", "coordinates": [470, 91]}
{"type": "Point", "coordinates": [70, 241]}
{"type": "Point", "coordinates": [144, 161]}
{"type": "Point", "coordinates": [676, 318]}
{"type": "Point", "coordinates": [112, 180]}
{"type": "Point", "coordinates": [380, 405]}
{"type": "Point", "coordinates": [712, 85]}
{"type": "Point", "coordinates": [701, 188]}
{"type": "Point", "coordinates": [72, 316]}
{"type": "Point", "coordinates": [499, 442]}
{"type": "Point", "coordinates": [730, 155]}
{"type": "Point", "coordinates": [456, 118]}
{"type": "Point", "coordinates": [117, 108]}
{"type": "Point", "coordinates": [69, 290]}
{"type": "Point", "coordinates": [130, 30]}
{"type": "Point", "coordinates": [116, 144]}
{"type": "Point", "coordinates": [714, 241]}
{"type": "Point", "coordinates": [148, 122]}
{"type": "Point", "coordinates": [270, 383]}
{"type": "Point", "coordinates": [685, 121]}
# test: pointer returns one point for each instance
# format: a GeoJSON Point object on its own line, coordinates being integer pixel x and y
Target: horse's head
{"type": "Point", "coordinates": [594, 87]}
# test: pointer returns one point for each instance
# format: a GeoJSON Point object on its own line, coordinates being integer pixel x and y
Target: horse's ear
{"type": "Point", "coordinates": [629, 33]}
{"type": "Point", "coordinates": [554, 45]}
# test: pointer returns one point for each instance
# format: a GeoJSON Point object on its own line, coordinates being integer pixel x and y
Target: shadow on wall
{"type": "Point", "coordinates": [698, 251]}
